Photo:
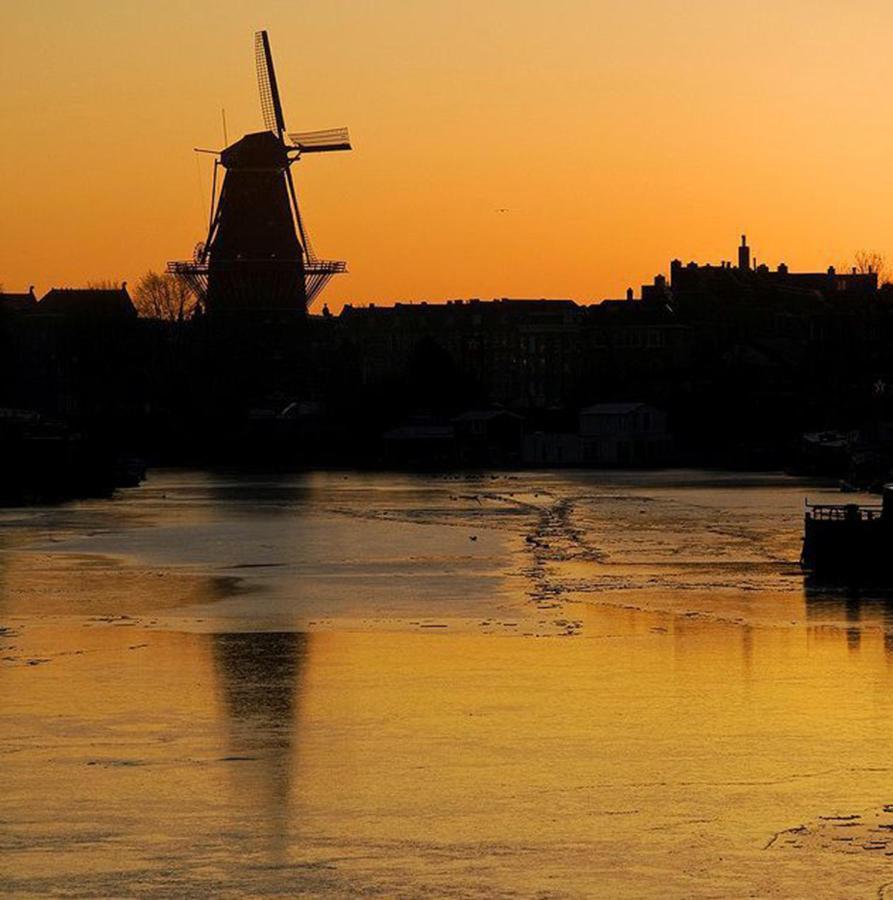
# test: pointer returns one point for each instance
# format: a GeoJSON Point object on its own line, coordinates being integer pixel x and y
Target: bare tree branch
{"type": "Point", "coordinates": [162, 296]}
{"type": "Point", "coordinates": [868, 262]}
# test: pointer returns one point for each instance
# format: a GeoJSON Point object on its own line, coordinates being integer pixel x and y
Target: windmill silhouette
{"type": "Point", "coordinates": [257, 254]}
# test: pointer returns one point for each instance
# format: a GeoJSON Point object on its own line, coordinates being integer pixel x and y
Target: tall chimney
{"type": "Point", "coordinates": [744, 254]}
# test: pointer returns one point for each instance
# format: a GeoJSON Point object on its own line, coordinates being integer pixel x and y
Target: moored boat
{"type": "Point", "coordinates": [849, 541]}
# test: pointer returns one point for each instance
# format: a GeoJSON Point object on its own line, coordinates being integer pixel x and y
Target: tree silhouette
{"type": "Point", "coordinates": [161, 296]}
{"type": "Point", "coordinates": [868, 262]}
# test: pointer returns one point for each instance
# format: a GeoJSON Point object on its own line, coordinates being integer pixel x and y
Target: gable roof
{"type": "Point", "coordinates": [485, 415]}
{"type": "Point", "coordinates": [419, 433]}
{"type": "Point", "coordinates": [88, 302]}
{"type": "Point", "coordinates": [612, 409]}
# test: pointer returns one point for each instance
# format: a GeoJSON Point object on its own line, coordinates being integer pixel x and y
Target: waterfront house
{"type": "Point", "coordinates": [488, 437]}
{"type": "Point", "coordinates": [624, 434]}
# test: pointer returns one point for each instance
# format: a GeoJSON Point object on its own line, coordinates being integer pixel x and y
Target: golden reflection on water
{"type": "Point", "coordinates": [229, 755]}
{"type": "Point", "coordinates": [706, 702]}
{"type": "Point", "coordinates": [44, 584]}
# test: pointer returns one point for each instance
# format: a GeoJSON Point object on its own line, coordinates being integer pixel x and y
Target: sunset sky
{"type": "Point", "coordinates": [618, 135]}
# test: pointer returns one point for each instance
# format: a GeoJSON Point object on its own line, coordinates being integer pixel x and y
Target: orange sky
{"type": "Point", "coordinates": [617, 134]}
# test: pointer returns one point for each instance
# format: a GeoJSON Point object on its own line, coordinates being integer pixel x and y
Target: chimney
{"type": "Point", "coordinates": [629, 293]}
{"type": "Point", "coordinates": [744, 254]}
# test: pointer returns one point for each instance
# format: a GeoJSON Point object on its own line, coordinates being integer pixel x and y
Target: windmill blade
{"type": "Point", "coordinates": [266, 82]}
{"type": "Point", "coordinates": [321, 141]}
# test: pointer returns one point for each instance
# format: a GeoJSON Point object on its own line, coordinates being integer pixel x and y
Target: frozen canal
{"type": "Point", "coordinates": [527, 684]}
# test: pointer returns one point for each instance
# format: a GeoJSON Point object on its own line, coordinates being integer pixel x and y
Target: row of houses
{"type": "Point", "coordinates": [606, 434]}
{"type": "Point", "coordinates": [743, 358]}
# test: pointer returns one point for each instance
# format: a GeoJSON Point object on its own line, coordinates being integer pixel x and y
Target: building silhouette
{"type": "Point", "coordinates": [736, 362]}
{"type": "Point", "coordinates": [725, 362]}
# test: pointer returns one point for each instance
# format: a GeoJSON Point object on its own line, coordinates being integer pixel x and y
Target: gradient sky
{"type": "Point", "coordinates": [617, 134]}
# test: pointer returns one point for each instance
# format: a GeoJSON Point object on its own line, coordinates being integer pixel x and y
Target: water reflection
{"type": "Point", "coordinates": [267, 493]}
{"type": "Point", "coordinates": [252, 760]}
{"type": "Point", "coordinates": [854, 608]}
{"type": "Point", "coordinates": [83, 584]}
{"type": "Point", "coordinates": [259, 677]}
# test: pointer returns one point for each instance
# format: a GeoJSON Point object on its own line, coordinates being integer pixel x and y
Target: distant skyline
{"type": "Point", "coordinates": [513, 148]}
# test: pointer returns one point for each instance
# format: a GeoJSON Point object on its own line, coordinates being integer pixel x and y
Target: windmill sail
{"type": "Point", "coordinates": [266, 83]}
{"type": "Point", "coordinates": [321, 141]}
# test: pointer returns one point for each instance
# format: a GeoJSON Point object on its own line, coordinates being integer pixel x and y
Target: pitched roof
{"type": "Point", "coordinates": [90, 302]}
{"type": "Point", "coordinates": [484, 415]}
{"type": "Point", "coordinates": [611, 409]}
{"type": "Point", "coordinates": [419, 433]}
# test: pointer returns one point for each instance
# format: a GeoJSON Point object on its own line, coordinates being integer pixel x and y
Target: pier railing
{"type": "Point", "coordinates": [842, 512]}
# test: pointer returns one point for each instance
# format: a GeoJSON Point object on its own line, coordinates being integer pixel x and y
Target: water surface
{"type": "Point", "coordinates": [553, 684]}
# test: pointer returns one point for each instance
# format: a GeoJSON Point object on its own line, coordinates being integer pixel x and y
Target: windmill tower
{"type": "Point", "coordinates": [257, 254]}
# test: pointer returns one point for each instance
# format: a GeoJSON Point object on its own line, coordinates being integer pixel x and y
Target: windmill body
{"type": "Point", "coordinates": [257, 255]}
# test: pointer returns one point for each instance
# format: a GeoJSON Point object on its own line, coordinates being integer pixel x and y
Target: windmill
{"type": "Point", "coordinates": [257, 253]}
